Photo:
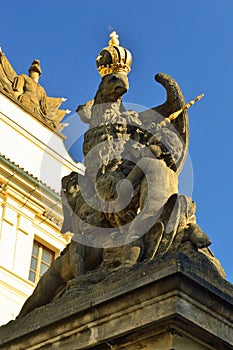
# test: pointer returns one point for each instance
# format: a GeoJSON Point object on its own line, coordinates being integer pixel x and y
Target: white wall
{"type": "Point", "coordinates": [33, 146]}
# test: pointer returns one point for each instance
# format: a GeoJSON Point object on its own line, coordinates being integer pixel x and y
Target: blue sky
{"type": "Point", "coordinates": [190, 40]}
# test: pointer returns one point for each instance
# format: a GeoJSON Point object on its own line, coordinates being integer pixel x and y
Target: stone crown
{"type": "Point", "coordinates": [114, 58]}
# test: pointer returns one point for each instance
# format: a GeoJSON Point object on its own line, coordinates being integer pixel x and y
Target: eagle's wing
{"type": "Point", "coordinates": [174, 102]}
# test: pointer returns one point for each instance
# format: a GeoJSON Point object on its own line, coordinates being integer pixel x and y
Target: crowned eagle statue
{"type": "Point", "coordinates": [126, 208]}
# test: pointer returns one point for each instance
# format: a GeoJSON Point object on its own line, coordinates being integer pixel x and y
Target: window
{"type": "Point", "coordinates": [42, 258]}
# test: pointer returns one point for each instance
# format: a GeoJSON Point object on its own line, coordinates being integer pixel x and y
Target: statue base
{"type": "Point", "coordinates": [178, 301]}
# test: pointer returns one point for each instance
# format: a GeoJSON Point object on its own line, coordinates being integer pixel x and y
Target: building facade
{"type": "Point", "coordinates": [33, 160]}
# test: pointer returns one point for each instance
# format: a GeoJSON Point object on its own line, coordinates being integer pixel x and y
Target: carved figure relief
{"type": "Point", "coordinates": [29, 93]}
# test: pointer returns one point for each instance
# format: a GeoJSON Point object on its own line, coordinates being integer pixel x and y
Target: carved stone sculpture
{"type": "Point", "coordinates": [29, 93]}
{"type": "Point", "coordinates": [126, 208]}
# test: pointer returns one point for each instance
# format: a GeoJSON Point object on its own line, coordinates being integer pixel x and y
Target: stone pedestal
{"type": "Point", "coordinates": [177, 302]}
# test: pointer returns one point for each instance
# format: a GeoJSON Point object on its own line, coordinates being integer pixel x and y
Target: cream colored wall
{"type": "Point", "coordinates": [13, 292]}
{"type": "Point", "coordinates": [17, 239]}
{"type": "Point", "coordinates": [19, 227]}
{"type": "Point", "coordinates": [40, 152]}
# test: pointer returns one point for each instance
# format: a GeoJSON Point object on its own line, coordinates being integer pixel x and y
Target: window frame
{"type": "Point", "coordinates": [39, 260]}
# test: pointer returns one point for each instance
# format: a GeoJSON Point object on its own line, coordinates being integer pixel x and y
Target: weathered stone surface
{"type": "Point", "coordinates": [126, 207]}
{"type": "Point", "coordinates": [138, 273]}
{"type": "Point", "coordinates": [178, 301]}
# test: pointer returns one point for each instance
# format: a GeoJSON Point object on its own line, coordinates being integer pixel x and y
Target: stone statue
{"type": "Point", "coordinates": [29, 93]}
{"type": "Point", "coordinates": [126, 208]}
